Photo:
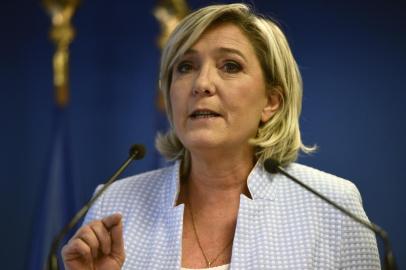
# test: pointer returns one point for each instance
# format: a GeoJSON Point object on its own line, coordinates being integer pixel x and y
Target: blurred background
{"type": "Point", "coordinates": [352, 56]}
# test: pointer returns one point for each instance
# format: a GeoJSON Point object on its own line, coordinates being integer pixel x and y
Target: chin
{"type": "Point", "coordinates": [202, 142]}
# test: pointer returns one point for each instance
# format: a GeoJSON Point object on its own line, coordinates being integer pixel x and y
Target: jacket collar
{"type": "Point", "coordinates": [261, 184]}
{"type": "Point", "coordinates": [171, 186]}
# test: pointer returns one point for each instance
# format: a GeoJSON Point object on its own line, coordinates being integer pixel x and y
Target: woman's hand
{"type": "Point", "coordinates": [97, 245]}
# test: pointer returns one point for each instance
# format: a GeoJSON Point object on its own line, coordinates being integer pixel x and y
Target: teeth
{"type": "Point", "coordinates": [204, 114]}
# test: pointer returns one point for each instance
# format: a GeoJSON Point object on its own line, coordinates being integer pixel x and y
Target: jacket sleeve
{"type": "Point", "coordinates": [358, 247]}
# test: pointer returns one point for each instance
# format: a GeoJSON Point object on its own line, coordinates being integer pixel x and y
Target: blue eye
{"type": "Point", "coordinates": [184, 67]}
{"type": "Point", "coordinates": [232, 67]}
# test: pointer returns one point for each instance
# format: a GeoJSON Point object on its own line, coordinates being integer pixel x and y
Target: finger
{"type": "Point", "coordinates": [117, 241]}
{"type": "Point", "coordinates": [87, 235]}
{"type": "Point", "coordinates": [76, 249]}
{"type": "Point", "coordinates": [102, 234]}
{"type": "Point", "coordinates": [114, 222]}
{"type": "Point", "coordinates": [111, 220]}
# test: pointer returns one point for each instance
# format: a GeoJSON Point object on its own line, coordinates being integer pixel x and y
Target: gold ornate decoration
{"type": "Point", "coordinates": [62, 34]}
{"type": "Point", "coordinates": [168, 13]}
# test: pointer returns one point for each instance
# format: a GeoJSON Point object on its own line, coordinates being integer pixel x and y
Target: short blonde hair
{"type": "Point", "coordinates": [279, 138]}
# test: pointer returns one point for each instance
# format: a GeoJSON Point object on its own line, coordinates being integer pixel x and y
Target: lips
{"type": "Point", "coordinates": [203, 113]}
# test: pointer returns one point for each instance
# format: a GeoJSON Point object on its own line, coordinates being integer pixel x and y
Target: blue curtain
{"type": "Point", "coordinates": [57, 199]}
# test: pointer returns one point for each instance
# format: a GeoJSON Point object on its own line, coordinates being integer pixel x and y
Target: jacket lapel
{"type": "Point", "coordinates": [168, 240]}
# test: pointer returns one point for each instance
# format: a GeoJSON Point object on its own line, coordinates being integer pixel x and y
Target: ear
{"type": "Point", "coordinates": [273, 104]}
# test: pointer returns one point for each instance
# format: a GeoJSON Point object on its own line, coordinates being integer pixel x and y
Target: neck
{"type": "Point", "coordinates": [211, 191]}
{"type": "Point", "coordinates": [219, 180]}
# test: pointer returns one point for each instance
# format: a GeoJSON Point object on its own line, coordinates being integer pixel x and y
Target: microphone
{"type": "Point", "coordinates": [272, 166]}
{"type": "Point", "coordinates": [136, 152]}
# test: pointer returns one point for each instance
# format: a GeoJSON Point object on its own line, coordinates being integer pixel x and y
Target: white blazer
{"type": "Point", "coordinates": [283, 226]}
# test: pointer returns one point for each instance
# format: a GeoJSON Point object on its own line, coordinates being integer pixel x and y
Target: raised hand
{"type": "Point", "coordinates": [97, 245]}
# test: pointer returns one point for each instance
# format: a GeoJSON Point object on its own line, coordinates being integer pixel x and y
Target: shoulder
{"type": "Point", "coordinates": [146, 182]}
{"type": "Point", "coordinates": [139, 192]}
{"type": "Point", "coordinates": [334, 187]}
{"type": "Point", "coordinates": [353, 244]}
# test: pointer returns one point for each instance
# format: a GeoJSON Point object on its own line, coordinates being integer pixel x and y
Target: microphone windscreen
{"type": "Point", "coordinates": [138, 151]}
{"type": "Point", "coordinates": [271, 165]}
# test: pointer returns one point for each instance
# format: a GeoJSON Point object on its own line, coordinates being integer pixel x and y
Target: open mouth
{"type": "Point", "coordinates": [203, 114]}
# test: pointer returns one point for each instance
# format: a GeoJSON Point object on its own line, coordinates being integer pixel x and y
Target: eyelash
{"type": "Point", "coordinates": [184, 64]}
{"type": "Point", "coordinates": [229, 66]}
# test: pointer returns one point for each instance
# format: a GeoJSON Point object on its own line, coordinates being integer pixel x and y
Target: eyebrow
{"type": "Point", "coordinates": [220, 50]}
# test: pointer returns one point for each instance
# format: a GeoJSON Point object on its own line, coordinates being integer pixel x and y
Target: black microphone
{"type": "Point", "coordinates": [137, 151]}
{"type": "Point", "coordinates": [272, 166]}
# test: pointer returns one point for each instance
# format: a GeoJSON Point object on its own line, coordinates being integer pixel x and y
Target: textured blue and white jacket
{"type": "Point", "coordinates": [283, 226]}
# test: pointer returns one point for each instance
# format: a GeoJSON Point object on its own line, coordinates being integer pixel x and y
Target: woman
{"type": "Point", "coordinates": [233, 96]}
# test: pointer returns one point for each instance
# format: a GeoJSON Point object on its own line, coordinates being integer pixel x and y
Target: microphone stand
{"type": "Point", "coordinates": [273, 166]}
{"type": "Point", "coordinates": [136, 152]}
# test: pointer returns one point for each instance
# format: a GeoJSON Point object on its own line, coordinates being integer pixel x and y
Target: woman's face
{"type": "Point", "coordinates": [218, 92]}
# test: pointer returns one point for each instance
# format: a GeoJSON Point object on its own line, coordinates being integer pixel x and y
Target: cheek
{"type": "Point", "coordinates": [178, 104]}
{"type": "Point", "coordinates": [179, 92]}
{"type": "Point", "coordinates": [173, 97]}
{"type": "Point", "coordinates": [248, 102]}
{"type": "Point", "coordinates": [250, 110]}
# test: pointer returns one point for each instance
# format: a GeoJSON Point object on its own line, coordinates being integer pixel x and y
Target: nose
{"type": "Point", "coordinates": [204, 82]}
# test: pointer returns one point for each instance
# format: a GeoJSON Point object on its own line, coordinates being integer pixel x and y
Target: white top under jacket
{"type": "Point", "coordinates": [221, 267]}
{"type": "Point", "coordinates": [283, 226]}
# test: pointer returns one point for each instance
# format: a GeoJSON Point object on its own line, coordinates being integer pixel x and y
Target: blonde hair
{"type": "Point", "coordinates": [279, 138]}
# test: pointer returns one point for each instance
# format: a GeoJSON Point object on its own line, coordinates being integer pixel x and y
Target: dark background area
{"type": "Point", "coordinates": [351, 54]}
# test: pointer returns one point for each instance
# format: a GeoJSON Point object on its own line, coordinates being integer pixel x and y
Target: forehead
{"type": "Point", "coordinates": [225, 37]}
